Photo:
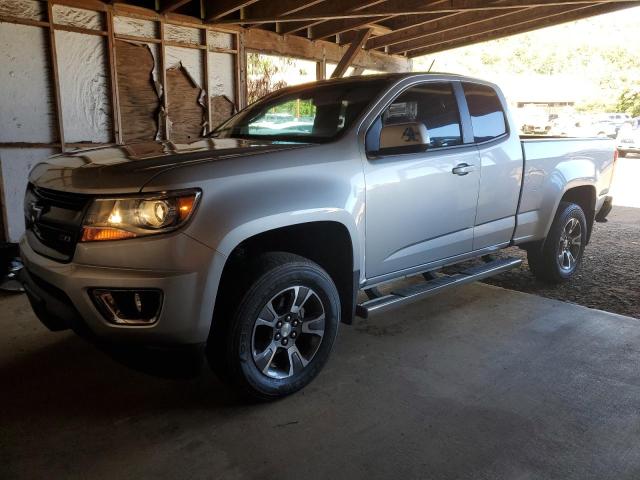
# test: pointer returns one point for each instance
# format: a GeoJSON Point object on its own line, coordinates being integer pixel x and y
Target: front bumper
{"type": "Point", "coordinates": [185, 270]}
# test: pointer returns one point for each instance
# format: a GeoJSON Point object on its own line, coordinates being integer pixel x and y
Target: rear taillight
{"type": "Point", "coordinates": [615, 155]}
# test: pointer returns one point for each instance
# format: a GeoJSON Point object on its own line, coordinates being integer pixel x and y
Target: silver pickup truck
{"type": "Point", "coordinates": [254, 243]}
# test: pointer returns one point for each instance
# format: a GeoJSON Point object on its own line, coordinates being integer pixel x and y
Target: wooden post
{"type": "Point", "coordinates": [115, 97]}
{"type": "Point", "coordinates": [53, 57]}
{"type": "Point", "coordinates": [241, 71]}
{"type": "Point", "coordinates": [163, 81]}
{"type": "Point", "coordinates": [205, 32]}
{"type": "Point", "coordinates": [352, 52]}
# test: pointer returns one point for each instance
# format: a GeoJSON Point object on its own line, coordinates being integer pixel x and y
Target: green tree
{"type": "Point", "coordinates": [629, 102]}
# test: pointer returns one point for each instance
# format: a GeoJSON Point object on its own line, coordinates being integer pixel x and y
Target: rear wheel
{"type": "Point", "coordinates": [282, 330]}
{"type": "Point", "coordinates": [561, 253]}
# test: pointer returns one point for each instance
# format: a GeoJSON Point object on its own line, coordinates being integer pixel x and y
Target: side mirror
{"type": "Point", "coordinates": [399, 138]}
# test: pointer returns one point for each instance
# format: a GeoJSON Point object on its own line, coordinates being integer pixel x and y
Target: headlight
{"type": "Point", "coordinates": [129, 217]}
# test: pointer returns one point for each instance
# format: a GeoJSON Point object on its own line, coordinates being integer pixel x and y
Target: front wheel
{"type": "Point", "coordinates": [561, 253]}
{"type": "Point", "coordinates": [283, 328]}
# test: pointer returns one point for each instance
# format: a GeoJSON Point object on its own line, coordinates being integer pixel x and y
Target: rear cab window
{"type": "Point", "coordinates": [488, 118]}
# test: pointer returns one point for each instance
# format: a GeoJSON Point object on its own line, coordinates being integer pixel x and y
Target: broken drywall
{"type": "Point", "coordinates": [187, 63]}
{"type": "Point", "coordinates": [222, 108]}
{"type": "Point", "coordinates": [135, 27]}
{"type": "Point", "coordinates": [27, 112]}
{"type": "Point", "coordinates": [220, 39]}
{"type": "Point", "coordinates": [31, 9]}
{"type": "Point", "coordinates": [185, 121]}
{"type": "Point", "coordinates": [84, 87]}
{"type": "Point", "coordinates": [221, 86]}
{"type": "Point", "coordinates": [77, 17]}
{"type": "Point", "coordinates": [139, 101]}
{"type": "Point", "coordinates": [177, 33]}
{"type": "Point", "coordinates": [15, 165]}
{"type": "Point", "coordinates": [189, 58]}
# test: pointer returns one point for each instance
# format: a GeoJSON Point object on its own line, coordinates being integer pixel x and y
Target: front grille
{"type": "Point", "coordinates": [54, 221]}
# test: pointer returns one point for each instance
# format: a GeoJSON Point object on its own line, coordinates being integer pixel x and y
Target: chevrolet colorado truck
{"type": "Point", "coordinates": [255, 242]}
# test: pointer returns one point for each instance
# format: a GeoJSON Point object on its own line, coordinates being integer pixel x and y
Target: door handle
{"type": "Point", "coordinates": [463, 169]}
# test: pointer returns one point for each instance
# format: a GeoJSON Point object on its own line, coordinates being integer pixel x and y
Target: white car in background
{"type": "Point", "coordinates": [629, 138]}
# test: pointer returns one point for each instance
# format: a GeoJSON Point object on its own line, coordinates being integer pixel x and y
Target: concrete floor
{"type": "Point", "coordinates": [477, 383]}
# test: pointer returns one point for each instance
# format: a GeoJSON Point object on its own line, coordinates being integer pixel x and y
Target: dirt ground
{"type": "Point", "coordinates": [609, 278]}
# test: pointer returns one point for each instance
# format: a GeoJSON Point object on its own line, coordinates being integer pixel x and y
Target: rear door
{"type": "Point", "coordinates": [501, 166]}
{"type": "Point", "coordinates": [421, 207]}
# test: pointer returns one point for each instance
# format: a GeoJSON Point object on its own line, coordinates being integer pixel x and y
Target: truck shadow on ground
{"type": "Point", "coordinates": [70, 377]}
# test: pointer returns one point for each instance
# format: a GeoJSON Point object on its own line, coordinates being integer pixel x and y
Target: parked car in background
{"type": "Point", "coordinates": [533, 120]}
{"type": "Point", "coordinates": [582, 126]}
{"type": "Point", "coordinates": [253, 244]}
{"type": "Point", "coordinates": [629, 138]}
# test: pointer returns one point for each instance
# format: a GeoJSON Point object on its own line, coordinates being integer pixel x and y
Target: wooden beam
{"type": "Point", "coordinates": [350, 55]}
{"type": "Point", "coordinates": [217, 9]}
{"type": "Point", "coordinates": [172, 5]}
{"type": "Point", "coordinates": [53, 58]}
{"type": "Point", "coordinates": [267, 42]}
{"type": "Point", "coordinates": [390, 11]}
{"type": "Point", "coordinates": [113, 81]}
{"type": "Point", "coordinates": [509, 30]}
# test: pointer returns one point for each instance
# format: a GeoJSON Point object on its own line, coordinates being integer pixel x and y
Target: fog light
{"type": "Point", "coordinates": [128, 307]}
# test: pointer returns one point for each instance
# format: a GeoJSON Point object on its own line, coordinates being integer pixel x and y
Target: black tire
{"type": "Point", "coordinates": [550, 262]}
{"type": "Point", "coordinates": [274, 280]}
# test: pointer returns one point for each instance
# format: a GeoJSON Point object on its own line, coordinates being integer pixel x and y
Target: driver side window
{"type": "Point", "coordinates": [434, 105]}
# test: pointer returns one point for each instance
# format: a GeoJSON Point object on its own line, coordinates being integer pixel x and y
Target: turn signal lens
{"type": "Point", "coordinates": [94, 234]}
{"type": "Point", "coordinates": [185, 206]}
{"type": "Point", "coordinates": [130, 217]}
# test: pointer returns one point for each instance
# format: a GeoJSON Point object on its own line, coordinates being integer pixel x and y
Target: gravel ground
{"type": "Point", "coordinates": [609, 278]}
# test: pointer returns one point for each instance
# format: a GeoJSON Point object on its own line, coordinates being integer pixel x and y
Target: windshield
{"type": "Point", "coordinates": [315, 114]}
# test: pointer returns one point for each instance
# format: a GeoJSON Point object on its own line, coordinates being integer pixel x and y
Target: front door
{"type": "Point", "coordinates": [421, 207]}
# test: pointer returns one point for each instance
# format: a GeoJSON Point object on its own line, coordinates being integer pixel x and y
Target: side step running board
{"type": "Point", "coordinates": [437, 285]}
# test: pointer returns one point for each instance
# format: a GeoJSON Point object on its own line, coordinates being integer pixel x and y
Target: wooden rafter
{"type": "Point", "coordinates": [389, 10]}
{"type": "Point", "coordinates": [505, 30]}
{"type": "Point", "coordinates": [409, 26]}
{"type": "Point", "coordinates": [168, 6]}
{"type": "Point", "coordinates": [354, 49]}
{"type": "Point", "coordinates": [217, 9]}
{"type": "Point", "coordinates": [345, 5]}
{"type": "Point", "coordinates": [335, 27]}
{"type": "Point", "coordinates": [465, 24]}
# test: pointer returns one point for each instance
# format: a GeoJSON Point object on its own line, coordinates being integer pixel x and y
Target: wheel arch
{"type": "Point", "coordinates": [329, 243]}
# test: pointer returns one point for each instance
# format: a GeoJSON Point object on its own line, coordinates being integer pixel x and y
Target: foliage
{"type": "Point", "coordinates": [262, 73]}
{"type": "Point", "coordinates": [629, 102]}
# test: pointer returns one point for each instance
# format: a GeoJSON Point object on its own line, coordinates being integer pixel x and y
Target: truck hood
{"type": "Point", "coordinates": [127, 168]}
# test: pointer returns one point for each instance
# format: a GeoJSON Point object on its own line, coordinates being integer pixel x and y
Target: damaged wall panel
{"type": "Point", "coordinates": [221, 86]}
{"type": "Point", "coordinates": [84, 87]}
{"type": "Point", "coordinates": [185, 96]}
{"type": "Point", "coordinates": [139, 100]}
{"type": "Point", "coordinates": [27, 112]}
{"type": "Point", "coordinates": [186, 113]}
